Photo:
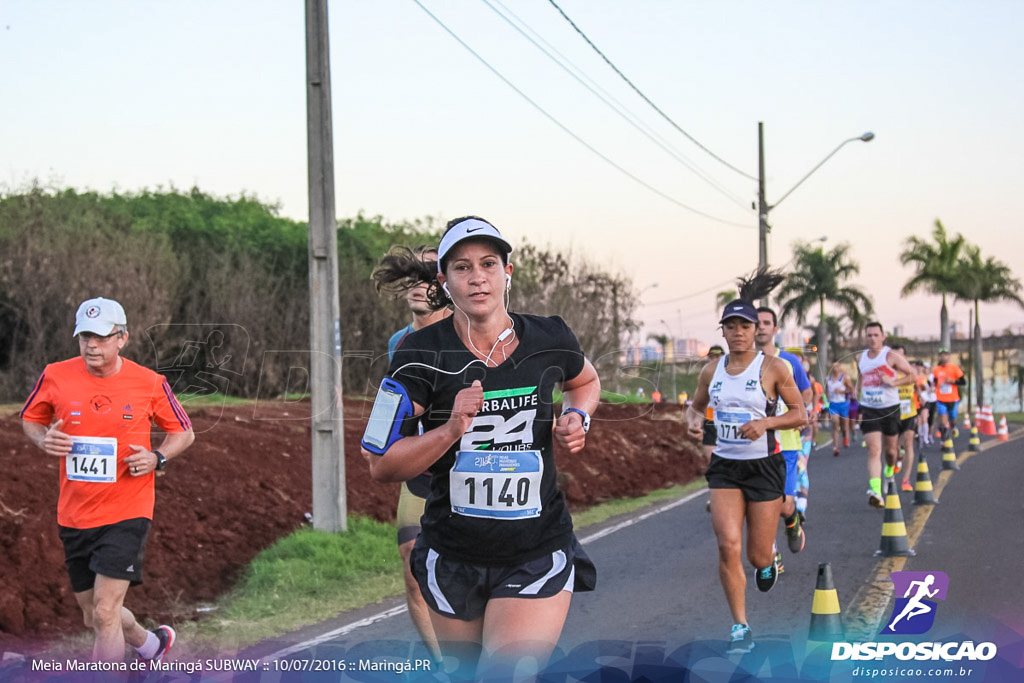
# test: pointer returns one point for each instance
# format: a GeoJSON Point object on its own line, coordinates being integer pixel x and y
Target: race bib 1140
{"type": "Point", "coordinates": [496, 484]}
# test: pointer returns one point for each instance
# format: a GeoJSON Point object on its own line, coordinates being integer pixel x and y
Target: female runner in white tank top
{"type": "Point", "coordinates": [840, 388]}
{"type": "Point", "coordinates": [746, 476]}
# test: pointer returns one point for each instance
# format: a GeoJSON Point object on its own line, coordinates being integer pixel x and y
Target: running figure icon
{"type": "Point", "coordinates": [915, 606]}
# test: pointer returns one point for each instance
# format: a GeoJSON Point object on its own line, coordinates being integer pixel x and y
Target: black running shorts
{"type": "Point", "coordinates": [461, 590]}
{"type": "Point", "coordinates": [908, 424]}
{"type": "Point", "coordinates": [885, 420]}
{"type": "Point", "coordinates": [113, 550]}
{"type": "Point", "coordinates": [760, 479]}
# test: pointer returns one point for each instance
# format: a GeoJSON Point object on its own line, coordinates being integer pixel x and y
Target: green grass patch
{"type": "Point", "coordinates": [310, 576]}
{"type": "Point", "coordinates": [304, 578]}
{"type": "Point", "coordinates": [211, 400]}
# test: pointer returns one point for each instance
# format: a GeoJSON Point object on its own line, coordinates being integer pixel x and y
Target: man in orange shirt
{"type": "Point", "coordinates": [948, 380]}
{"type": "Point", "coordinates": [95, 412]}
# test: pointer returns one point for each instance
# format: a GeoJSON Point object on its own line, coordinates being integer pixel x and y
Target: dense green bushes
{"type": "Point", "coordinates": [217, 289]}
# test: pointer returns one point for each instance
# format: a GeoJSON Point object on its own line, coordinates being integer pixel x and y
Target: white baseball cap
{"type": "Point", "coordinates": [99, 316]}
{"type": "Point", "coordinates": [466, 229]}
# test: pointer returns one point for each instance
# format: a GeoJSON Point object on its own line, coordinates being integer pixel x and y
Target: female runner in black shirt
{"type": "Point", "coordinates": [497, 560]}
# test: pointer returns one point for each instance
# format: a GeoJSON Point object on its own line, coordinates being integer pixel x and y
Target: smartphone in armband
{"type": "Point", "coordinates": [390, 409]}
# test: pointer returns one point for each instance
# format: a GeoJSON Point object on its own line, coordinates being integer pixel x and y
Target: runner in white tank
{"type": "Point", "coordinates": [840, 388]}
{"type": "Point", "coordinates": [739, 399]}
{"type": "Point", "coordinates": [880, 371]}
{"type": "Point", "coordinates": [746, 477]}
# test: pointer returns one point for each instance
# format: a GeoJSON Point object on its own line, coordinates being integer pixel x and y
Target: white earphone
{"type": "Point", "coordinates": [445, 288]}
{"type": "Point", "coordinates": [508, 282]}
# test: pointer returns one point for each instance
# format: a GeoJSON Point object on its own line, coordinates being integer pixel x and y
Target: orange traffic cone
{"type": "Point", "coordinates": [986, 423]}
{"type": "Point", "coordinates": [1003, 433]}
{"type": "Point", "coordinates": [967, 421]}
{"type": "Point", "coordinates": [826, 624]}
{"type": "Point", "coordinates": [894, 531]}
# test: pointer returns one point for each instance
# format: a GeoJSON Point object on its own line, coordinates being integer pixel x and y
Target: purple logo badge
{"type": "Point", "coordinates": [914, 611]}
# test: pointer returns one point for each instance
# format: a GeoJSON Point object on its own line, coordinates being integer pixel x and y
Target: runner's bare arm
{"type": "Point", "coordinates": [172, 446]}
{"type": "Point", "coordinates": [583, 392]}
{"type": "Point", "coordinates": [48, 438]}
{"type": "Point", "coordinates": [905, 373]}
{"type": "Point", "coordinates": [701, 397]}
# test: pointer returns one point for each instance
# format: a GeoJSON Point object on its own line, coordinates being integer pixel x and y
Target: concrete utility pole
{"type": "Point", "coordinates": [327, 426]}
{"type": "Point", "coordinates": [762, 203]}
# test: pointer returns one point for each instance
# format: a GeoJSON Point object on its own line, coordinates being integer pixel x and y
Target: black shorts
{"type": "Point", "coordinates": [908, 424]}
{"type": "Point", "coordinates": [710, 433]}
{"type": "Point", "coordinates": [113, 550]}
{"type": "Point", "coordinates": [461, 590]}
{"type": "Point", "coordinates": [760, 479]}
{"type": "Point", "coordinates": [885, 420]}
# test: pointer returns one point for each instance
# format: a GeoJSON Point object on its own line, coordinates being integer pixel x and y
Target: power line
{"type": "Point", "coordinates": [616, 106]}
{"type": "Point", "coordinates": [643, 96]}
{"type": "Point", "coordinates": [692, 294]}
{"type": "Point", "coordinates": [572, 134]}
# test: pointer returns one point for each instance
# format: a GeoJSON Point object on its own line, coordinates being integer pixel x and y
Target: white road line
{"type": "Point", "coordinates": [337, 633]}
{"type": "Point", "coordinates": [647, 515]}
{"type": "Point", "coordinates": [402, 609]}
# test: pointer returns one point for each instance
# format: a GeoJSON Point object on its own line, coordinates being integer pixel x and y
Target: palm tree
{"type": "Point", "coordinates": [724, 298]}
{"type": "Point", "coordinates": [819, 277]}
{"type": "Point", "coordinates": [937, 261]}
{"type": "Point", "coordinates": [986, 280]}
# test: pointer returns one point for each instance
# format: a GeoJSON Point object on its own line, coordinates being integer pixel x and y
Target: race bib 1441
{"type": "Point", "coordinates": [93, 459]}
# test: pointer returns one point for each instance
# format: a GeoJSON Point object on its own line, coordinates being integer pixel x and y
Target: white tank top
{"type": "Point", "coordinates": [928, 394]}
{"type": "Point", "coordinates": [873, 393]}
{"type": "Point", "coordinates": [736, 400]}
{"type": "Point", "coordinates": [834, 385]}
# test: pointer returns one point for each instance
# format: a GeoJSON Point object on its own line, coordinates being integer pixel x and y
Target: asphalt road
{"type": "Point", "coordinates": [659, 611]}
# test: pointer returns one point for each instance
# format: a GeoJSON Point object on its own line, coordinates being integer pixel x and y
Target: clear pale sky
{"type": "Point", "coordinates": [131, 95]}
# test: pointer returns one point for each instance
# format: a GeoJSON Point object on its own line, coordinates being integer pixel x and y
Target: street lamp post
{"type": "Point", "coordinates": [763, 207]}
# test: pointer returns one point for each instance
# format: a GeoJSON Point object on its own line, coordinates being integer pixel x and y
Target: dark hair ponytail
{"type": "Point", "coordinates": [403, 268]}
{"type": "Point", "coordinates": [759, 284]}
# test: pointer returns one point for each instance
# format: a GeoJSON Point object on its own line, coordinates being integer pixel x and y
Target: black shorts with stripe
{"type": "Point", "coordinates": [112, 550]}
{"type": "Point", "coordinates": [461, 590]}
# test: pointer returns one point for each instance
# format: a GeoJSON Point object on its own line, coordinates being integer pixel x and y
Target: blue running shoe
{"type": "Point", "coordinates": [740, 640]}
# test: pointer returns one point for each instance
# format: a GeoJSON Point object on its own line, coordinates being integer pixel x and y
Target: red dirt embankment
{"type": "Point", "coordinates": [247, 482]}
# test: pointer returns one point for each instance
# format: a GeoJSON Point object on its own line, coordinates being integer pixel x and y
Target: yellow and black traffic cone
{"type": "Point", "coordinates": [974, 444]}
{"type": "Point", "coordinates": [948, 454]}
{"type": "Point", "coordinates": [894, 531]}
{"type": "Point", "coordinates": [826, 624]}
{"type": "Point", "coordinates": [923, 486]}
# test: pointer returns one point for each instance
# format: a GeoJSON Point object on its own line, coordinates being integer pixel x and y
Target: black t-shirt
{"type": "Point", "coordinates": [497, 503]}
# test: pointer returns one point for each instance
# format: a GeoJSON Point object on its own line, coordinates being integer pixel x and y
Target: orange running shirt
{"type": "Point", "coordinates": [945, 377]}
{"type": "Point", "coordinates": [122, 406]}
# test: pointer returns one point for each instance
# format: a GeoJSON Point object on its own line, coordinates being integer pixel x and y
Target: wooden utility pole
{"type": "Point", "coordinates": [327, 427]}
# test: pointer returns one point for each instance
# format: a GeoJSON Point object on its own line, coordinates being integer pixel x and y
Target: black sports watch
{"type": "Point", "coordinates": [581, 413]}
{"type": "Point", "coordinates": [161, 461]}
